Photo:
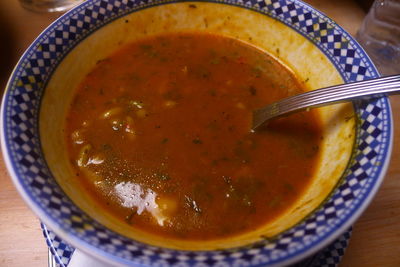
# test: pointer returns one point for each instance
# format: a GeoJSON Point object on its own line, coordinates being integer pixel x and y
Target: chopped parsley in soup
{"type": "Point", "coordinates": [159, 134]}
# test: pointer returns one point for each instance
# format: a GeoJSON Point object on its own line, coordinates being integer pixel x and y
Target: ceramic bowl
{"type": "Point", "coordinates": [356, 148]}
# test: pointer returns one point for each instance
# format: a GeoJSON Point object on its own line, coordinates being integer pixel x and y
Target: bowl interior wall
{"type": "Point", "coordinates": [306, 60]}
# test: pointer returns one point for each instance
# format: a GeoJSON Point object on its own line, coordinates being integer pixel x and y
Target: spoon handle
{"type": "Point", "coordinates": [329, 95]}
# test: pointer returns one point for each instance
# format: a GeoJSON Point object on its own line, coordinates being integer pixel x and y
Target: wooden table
{"type": "Point", "coordinates": [376, 235]}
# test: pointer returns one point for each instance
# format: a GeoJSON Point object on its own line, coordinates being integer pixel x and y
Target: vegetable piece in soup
{"type": "Point", "coordinates": [158, 134]}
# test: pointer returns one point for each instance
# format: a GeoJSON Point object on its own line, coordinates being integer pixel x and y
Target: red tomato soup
{"type": "Point", "coordinates": [159, 134]}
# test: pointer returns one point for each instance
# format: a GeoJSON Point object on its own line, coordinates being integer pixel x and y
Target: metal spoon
{"type": "Point", "coordinates": [330, 95]}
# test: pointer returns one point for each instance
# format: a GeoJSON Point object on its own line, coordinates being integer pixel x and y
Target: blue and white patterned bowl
{"type": "Point", "coordinates": [330, 256]}
{"type": "Point", "coordinates": [25, 161]}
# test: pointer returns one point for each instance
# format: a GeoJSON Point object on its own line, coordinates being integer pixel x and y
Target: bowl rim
{"type": "Point", "coordinates": [113, 259]}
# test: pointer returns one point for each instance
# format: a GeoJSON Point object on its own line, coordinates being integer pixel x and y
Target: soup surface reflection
{"type": "Point", "coordinates": [158, 133]}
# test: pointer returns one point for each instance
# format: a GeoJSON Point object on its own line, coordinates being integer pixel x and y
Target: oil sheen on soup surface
{"type": "Point", "coordinates": [159, 134]}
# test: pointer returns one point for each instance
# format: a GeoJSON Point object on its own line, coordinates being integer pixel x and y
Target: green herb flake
{"type": "Point", "coordinates": [212, 92]}
{"type": "Point", "coordinates": [346, 119]}
{"type": "Point", "coordinates": [205, 23]}
{"type": "Point", "coordinates": [288, 187]}
{"type": "Point", "coordinates": [315, 148]}
{"type": "Point", "coordinates": [146, 47]}
{"type": "Point", "coordinates": [129, 218]}
{"type": "Point", "coordinates": [258, 71]}
{"type": "Point", "coordinates": [164, 141]}
{"type": "Point", "coordinates": [253, 90]}
{"type": "Point", "coordinates": [106, 147]}
{"type": "Point", "coordinates": [197, 141]}
{"type": "Point", "coordinates": [276, 201]}
{"type": "Point", "coordinates": [215, 61]}
{"type": "Point", "coordinates": [149, 50]}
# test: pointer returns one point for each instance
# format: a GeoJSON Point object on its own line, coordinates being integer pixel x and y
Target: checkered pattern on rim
{"type": "Point", "coordinates": [325, 34]}
{"type": "Point", "coordinates": [328, 257]}
{"type": "Point", "coordinates": [22, 101]}
{"type": "Point", "coordinates": [61, 251]}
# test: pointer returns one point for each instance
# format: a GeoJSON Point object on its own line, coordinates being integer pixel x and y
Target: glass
{"type": "Point", "coordinates": [380, 35]}
{"type": "Point", "coordinates": [49, 5]}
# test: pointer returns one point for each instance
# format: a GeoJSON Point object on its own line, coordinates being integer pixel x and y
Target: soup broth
{"type": "Point", "coordinates": [159, 134]}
